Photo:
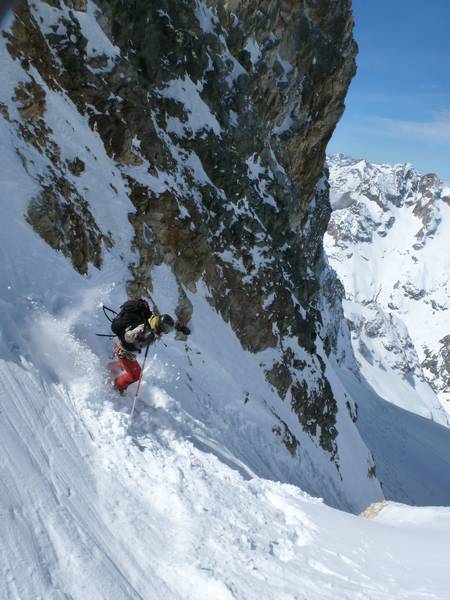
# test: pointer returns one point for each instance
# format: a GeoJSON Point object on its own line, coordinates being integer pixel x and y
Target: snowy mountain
{"type": "Point", "coordinates": [176, 150]}
{"type": "Point", "coordinates": [388, 241]}
{"type": "Point", "coordinates": [169, 178]}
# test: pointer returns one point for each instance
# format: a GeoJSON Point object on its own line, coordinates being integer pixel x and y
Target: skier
{"type": "Point", "coordinates": [136, 327]}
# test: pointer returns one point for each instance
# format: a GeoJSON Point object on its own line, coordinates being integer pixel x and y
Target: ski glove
{"type": "Point", "coordinates": [182, 328]}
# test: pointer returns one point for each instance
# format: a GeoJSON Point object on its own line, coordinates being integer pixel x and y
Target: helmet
{"type": "Point", "coordinates": [165, 324]}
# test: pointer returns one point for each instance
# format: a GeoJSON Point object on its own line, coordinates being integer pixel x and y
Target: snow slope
{"type": "Point", "coordinates": [388, 241]}
{"type": "Point", "coordinates": [224, 388]}
{"type": "Point", "coordinates": [140, 511]}
{"type": "Point", "coordinates": [96, 506]}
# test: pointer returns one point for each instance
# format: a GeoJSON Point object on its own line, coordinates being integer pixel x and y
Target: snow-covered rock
{"type": "Point", "coordinates": [388, 241]}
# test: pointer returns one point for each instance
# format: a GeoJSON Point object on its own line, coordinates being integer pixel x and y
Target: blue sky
{"type": "Point", "coordinates": [398, 105]}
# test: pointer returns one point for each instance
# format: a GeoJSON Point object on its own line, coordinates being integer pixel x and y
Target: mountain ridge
{"type": "Point", "coordinates": [399, 220]}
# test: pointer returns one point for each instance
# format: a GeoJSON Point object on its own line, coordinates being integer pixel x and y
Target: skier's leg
{"type": "Point", "coordinates": [132, 373]}
{"type": "Point", "coordinates": [115, 368]}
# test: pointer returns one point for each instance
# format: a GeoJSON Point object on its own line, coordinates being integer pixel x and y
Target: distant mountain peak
{"type": "Point", "coordinates": [387, 240]}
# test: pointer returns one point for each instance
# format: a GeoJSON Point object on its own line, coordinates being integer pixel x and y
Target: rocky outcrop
{"type": "Point", "coordinates": [63, 219]}
{"type": "Point", "coordinates": [436, 366]}
{"type": "Point", "coordinates": [217, 116]}
{"type": "Point", "coordinates": [374, 509]}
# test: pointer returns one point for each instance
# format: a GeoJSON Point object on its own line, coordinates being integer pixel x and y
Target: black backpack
{"type": "Point", "coordinates": [132, 313]}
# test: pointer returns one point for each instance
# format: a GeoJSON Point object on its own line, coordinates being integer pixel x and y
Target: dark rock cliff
{"type": "Point", "coordinates": [227, 107]}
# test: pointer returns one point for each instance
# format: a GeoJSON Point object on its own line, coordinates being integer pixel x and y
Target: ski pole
{"type": "Point", "coordinates": [139, 382]}
{"type": "Point", "coordinates": [105, 308]}
{"type": "Point", "coordinates": [155, 308]}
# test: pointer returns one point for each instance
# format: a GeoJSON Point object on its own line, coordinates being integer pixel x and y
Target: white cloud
{"type": "Point", "coordinates": [437, 128]}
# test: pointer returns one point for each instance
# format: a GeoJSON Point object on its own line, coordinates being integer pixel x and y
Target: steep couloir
{"type": "Point", "coordinates": [217, 115]}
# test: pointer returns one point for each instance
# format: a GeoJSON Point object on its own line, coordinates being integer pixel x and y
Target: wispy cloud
{"type": "Point", "coordinates": [437, 128]}
{"type": "Point", "coordinates": [428, 95]}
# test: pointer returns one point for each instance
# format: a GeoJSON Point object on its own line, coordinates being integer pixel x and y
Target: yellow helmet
{"type": "Point", "coordinates": [161, 324]}
{"type": "Point", "coordinates": [153, 322]}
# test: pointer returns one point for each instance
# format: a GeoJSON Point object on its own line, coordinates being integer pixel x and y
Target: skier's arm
{"type": "Point", "coordinates": [182, 328]}
{"type": "Point", "coordinates": [140, 336]}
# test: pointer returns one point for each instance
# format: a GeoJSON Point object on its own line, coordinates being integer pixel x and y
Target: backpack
{"type": "Point", "coordinates": [132, 313]}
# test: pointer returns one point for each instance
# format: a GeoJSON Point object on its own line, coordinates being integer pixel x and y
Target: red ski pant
{"type": "Point", "coordinates": [132, 373]}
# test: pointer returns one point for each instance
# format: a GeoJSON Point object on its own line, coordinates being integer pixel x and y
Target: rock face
{"type": "Point", "coordinates": [216, 117]}
{"type": "Point", "coordinates": [388, 240]}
